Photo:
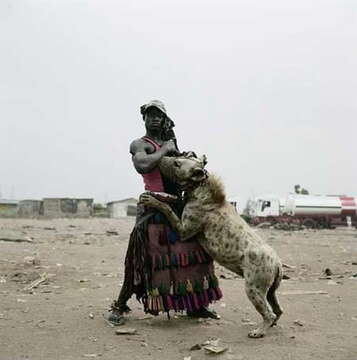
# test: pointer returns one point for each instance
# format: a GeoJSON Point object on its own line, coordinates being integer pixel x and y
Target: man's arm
{"type": "Point", "coordinates": [143, 160]}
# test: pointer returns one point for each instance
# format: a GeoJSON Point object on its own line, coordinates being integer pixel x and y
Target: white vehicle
{"type": "Point", "coordinates": [309, 210]}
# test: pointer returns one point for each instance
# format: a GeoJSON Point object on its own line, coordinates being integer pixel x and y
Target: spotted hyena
{"type": "Point", "coordinates": [223, 234]}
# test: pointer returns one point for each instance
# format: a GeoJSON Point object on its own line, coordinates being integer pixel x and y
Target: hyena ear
{"type": "Point", "coordinates": [203, 160]}
{"type": "Point", "coordinates": [198, 174]}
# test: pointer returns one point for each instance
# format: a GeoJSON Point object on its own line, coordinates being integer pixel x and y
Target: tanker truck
{"type": "Point", "coordinates": [313, 211]}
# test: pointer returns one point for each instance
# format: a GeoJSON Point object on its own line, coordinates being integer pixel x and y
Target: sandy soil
{"type": "Point", "coordinates": [62, 318]}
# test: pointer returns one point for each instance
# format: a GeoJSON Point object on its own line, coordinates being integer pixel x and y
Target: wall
{"type": "Point", "coordinates": [30, 208]}
{"type": "Point", "coordinates": [66, 207]}
{"type": "Point", "coordinates": [121, 209]}
{"type": "Point", "coordinates": [8, 210]}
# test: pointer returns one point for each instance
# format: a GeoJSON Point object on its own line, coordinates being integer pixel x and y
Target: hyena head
{"type": "Point", "coordinates": [184, 170]}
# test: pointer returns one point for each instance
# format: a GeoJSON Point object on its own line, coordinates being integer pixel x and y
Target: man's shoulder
{"type": "Point", "coordinates": [138, 141]}
{"type": "Point", "coordinates": [139, 145]}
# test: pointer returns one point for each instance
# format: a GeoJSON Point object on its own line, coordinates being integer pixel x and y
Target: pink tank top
{"type": "Point", "coordinates": [153, 180]}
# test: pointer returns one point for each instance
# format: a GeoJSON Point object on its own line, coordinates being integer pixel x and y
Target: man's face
{"type": "Point", "coordinates": [154, 118]}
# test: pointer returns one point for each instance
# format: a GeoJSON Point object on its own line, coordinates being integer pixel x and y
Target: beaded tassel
{"type": "Point", "coordinates": [198, 256]}
{"type": "Point", "coordinates": [219, 293]}
{"type": "Point", "coordinates": [160, 304]}
{"type": "Point", "coordinates": [205, 290]}
{"type": "Point", "coordinates": [201, 298]}
{"type": "Point", "coordinates": [170, 305]}
{"type": "Point", "coordinates": [182, 260]}
{"type": "Point", "coordinates": [158, 262]}
{"type": "Point", "coordinates": [188, 303]}
{"type": "Point", "coordinates": [197, 288]}
{"type": "Point", "coordinates": [184, 304]}
{"type": "Point", "coordinates": [189, 286]}
{"type": "Point", "coordinates": [154, 304]}
{"type": "Point", "coordinates": [196, 301]}
{"type": "Point", "coordinates": [181, 289]}
{"type": "Point", "coordinates": [206, 297]}
{"type": "Point", "coordinates": [213, 294]}
{"type": "Point", "coordinates": [172, 288]}
{"type": "Point", "coordinates": [163, 262]}
{"type": "Point", "coordinates": [214, 282]}
{"type": "Point", "coordinates": [205, 283]}
{"type": "Point", "coordinates": [150, 303]}
{"type": "Point", "coordinates": [155, 293]}
{"type": "Point", "coordinates": [168, 260]}
{"type": "Point", "coordinates": [175, 303]}
{"type": "Point", "coordinates": [173, 260]}
{"type": "Point", "coordinates": [203, 255]}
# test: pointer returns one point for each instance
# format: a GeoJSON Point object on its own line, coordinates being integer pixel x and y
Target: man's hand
{"type": "Point", "coordinates": [169, 148]}
{"type": "Point", "coordinates": [149, 201]}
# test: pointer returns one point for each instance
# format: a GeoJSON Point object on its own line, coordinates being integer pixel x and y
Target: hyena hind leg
{"type": "Point", "coordinates": [274, 303]}
{"type": "Point", "coordinates": [272, 297]}
{"type": "Point", "coordinates": [259, 300]}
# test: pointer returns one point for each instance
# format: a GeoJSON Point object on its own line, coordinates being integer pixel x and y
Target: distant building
{"type": "Point", "coordinates": [67, 207]}
{"type": "Point", "coordinates": [30, 208]}
{"type": "Point", "coordinates": [8, 208]}
{"type": "Point", "coordinates": [100, 210]}
{"type": "Point", "coordinates": [121, 208]}
{"type": "Point", "coordinates": [84, 207]}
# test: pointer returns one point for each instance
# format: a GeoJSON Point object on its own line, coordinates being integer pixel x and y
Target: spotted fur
{"type": "Point", "coordinates": [224, 235]}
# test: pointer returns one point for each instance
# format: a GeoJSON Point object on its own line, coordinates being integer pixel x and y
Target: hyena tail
{"type": "Point", "coordinates": [271, 295]}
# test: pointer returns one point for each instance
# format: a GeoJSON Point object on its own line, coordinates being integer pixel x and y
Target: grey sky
{"type": "Point", "coordinates": [266, 89]}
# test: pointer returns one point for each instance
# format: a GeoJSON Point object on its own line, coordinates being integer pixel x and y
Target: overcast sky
{"type": "Point", "coordinates": [266, 89]}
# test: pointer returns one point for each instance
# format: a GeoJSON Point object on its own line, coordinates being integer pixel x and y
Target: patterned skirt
{"type": "Point", "coordinates": [181, 274]}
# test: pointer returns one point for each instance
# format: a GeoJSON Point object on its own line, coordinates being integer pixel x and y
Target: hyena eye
{"type": "Point", "coordinates": [177, 163]}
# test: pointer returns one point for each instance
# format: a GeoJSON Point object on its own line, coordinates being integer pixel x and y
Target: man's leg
{"type": "Point", "coordinates": [119, 307]}
{"type": "Point", "coordinates": [136, 246]}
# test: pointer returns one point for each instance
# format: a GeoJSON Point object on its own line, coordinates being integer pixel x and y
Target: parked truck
{"type": "Point", "coordinates": [313, 211]}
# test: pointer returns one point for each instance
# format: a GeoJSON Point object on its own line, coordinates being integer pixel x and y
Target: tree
{"type": "Point", "coordinates": [299, 190]}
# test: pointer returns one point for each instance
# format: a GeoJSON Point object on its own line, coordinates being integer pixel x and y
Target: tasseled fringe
{"type": "Point", "coordinates": [182, 296]}
{"type": "Point", "coordinates": [162, 262]}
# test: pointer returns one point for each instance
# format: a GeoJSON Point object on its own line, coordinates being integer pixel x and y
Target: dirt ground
{"type": "Point", "coordinates": [81, 262]}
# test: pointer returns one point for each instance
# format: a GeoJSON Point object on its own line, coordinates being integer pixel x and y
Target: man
{"type": "Point", "coordinates": [164, 273]}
